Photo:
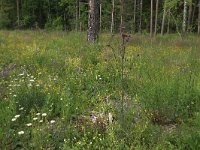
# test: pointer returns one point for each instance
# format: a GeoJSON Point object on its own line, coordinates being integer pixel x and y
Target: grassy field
{"type": "Point", "coordinates": [59, 92]}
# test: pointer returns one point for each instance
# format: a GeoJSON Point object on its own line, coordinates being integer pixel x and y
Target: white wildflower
{"type": "Point", "coordinates": [21, 132]}
{"type": "Point", "coordinates": [29, 124]}
{"type": "Point", "coordinates": [32, 80]}
{"type": "Point", "coordinates": [14, 119]}
{"type": "Point", "coordinates": [41, 121]}
{"type": "Point", "coordinates": [35, 118]}
{"type": "Point", "coordinates": [14, 95]}
{"type": "Point", "coordinates": [21, 74]}
{"type": "Point", "coordinates": [37, 114]}
{"type": "Point", "coordinates": [44, 114]}
{"type": "Point", "coordinates": [52, 121]}
{"type": "Point", "coordinates": [22, 108]}
{"type": "Point", "coordinates": [17, 116]}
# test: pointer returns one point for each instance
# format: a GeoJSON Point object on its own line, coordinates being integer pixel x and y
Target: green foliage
{"type": "Point", "coordinates": [65, 15]}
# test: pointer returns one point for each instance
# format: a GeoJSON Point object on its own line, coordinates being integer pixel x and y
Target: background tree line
{"type": "Point", "coordinates": [154, 16]}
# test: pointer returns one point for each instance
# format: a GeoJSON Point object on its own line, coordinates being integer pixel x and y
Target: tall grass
{"type": "Point", "coordinates": [79, 87]}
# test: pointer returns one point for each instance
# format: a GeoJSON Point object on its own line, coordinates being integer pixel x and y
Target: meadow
{"type": "Point", "coordinates": [59, 92]}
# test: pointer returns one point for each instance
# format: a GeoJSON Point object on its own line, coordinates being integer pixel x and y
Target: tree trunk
{"type": "Point", "coordinates": [168, 19]}
{"type": "Point", "coordinates": [151, 22]}
{"type": "Point", "coordinates": [100, 26]}
{"type": "Point", "coordinates": [134, 15]}
{"type": "Point", "coordinates": [93, 20]}
{"type": "Point", "coordinates": [17, 3]}
{"type": "Point", "coordinates": [189, 17]}
{"type": "Point", "coordinates": [65, 26]}
{"type": "Point", "coordinates": [163, 20]}
{"type": "Point", "coordinates": [199, 19]}
{"type": "Point", "coordinates": [141, 7]}
{"type": "Point", "coordinates": [194, 11]}
{"type": "Point", "coordinates": [121, 15]}
{"type": "Point", "coordinates": [156, 19]}
{"type": "Point", "coordinates": [77, 14]}
{"type": "Point", "coordinates": [112, 20]}
{"type": "Point", "coordinates": [184, 17]}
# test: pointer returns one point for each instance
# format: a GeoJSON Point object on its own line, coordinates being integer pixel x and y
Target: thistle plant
{"type": "Point", "coordinates": [120, 58]}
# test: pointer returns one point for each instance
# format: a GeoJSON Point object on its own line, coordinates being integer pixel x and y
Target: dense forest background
{"type": "Point", "coordinates": [169, 15]}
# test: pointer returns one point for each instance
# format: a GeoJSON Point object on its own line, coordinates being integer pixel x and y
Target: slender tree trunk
{"type": "Point", "coordinates": [151, 21]}
{"type": "Point", "coordinates": [194, 11]}
{"type": "Point", "coordinates": [189, 17]}
{"type": "Point", "coordinates": [168, 20]}
{"type": "Point", "coordinates": [141, 7]}
{"type": "Point", "coordinates": [100, 15]}
{"type": "Point", "coordinates": [134, 15]}
{"type": "Point", "coordinates": [17, 3]}
{"type": "Point", "coordinates": [112, 20]}
{"type": "Point", "coordinates": [49, 10]}
{"type": "Point", "coordinates": [163, 20]}
{"type": "Point", "coordinates": [199, 19]}
{"type": "Point", "coordinates": [156, 19]}
{"type": "Point", "coordinates": [65, 27]}
{"type": "Point", "coordinates": [93, 20]}
{"type": "Point", "coordinates": [77, 14]}
{"type": "Point", "coordinates": [79, 17]}
{"type": "Point", "coordinates": [184, 17]}
{"type": "Point", "coordinates": [121, 15]}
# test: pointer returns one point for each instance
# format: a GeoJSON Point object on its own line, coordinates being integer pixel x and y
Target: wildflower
{"type": "Point", "coordinates": [21, 132]}
{"type": "Point", "coordinates": [29, 124]}
{"type": "Point", "coordinates": [37, 114]}
{"type": "Point", "coordinates": [17, 116]}
{"type": "Point", "coordinates": [31, 80]}
{"type": "Point", "coordinates": [37, 85]}
{"type": "Point", "coordinates": [35, 118]}
{"type": "Point", "coordinates": [52, 121]}
{"type": "Point", "coordinates": [22, 108]}
{"type": "Point", "coordinates": [14, 95]}
{"type": "Point", "coordinates": [41, 121]}
{"type": "Point", "coordinates": [21, 74]}
{"type": "Point", "coordinates": [44, 114]}
{"type": "Point", "coordinates": [14, 119]}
